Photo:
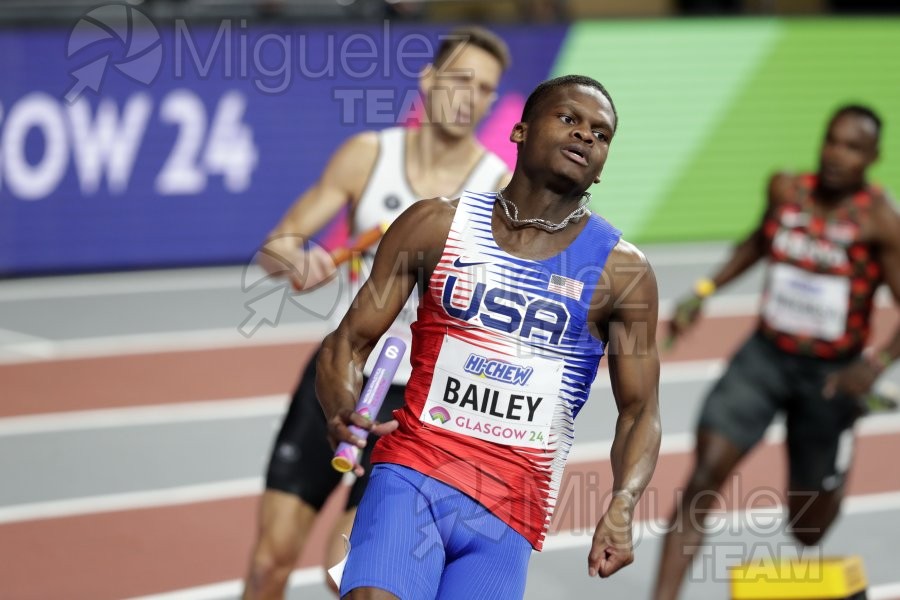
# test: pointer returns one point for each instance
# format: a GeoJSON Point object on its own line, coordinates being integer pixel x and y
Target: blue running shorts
{"type": "Point", "coordinates": [420, 539]}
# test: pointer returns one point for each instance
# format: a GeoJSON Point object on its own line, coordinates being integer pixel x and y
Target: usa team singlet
{"type": "Point", "coordinates": [503, 361]}
{"type": "Point", "coordinates": [386, 195]}
{"type": "Point", "coordinates": [821, 279]}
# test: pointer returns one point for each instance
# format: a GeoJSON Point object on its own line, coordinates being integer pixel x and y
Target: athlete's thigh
{"type": "Point", "coordinates": [486, 558]}
{"type": "Point", "coordinates": [820, 435]}
{"type": "Point", "coordinates": [395, 544]}
{"type": "Point", "coordinates": [747, 397]}
{"type": "Point", "coordinates": [301, 456]}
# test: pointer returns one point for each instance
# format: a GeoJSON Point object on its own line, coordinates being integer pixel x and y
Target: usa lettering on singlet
{"type": "Point", "coordinates": [387, 194]}
{"type": "Point", "coordinates": [821, 278]}
{"type": "Point", "coordinates": [503, 360]}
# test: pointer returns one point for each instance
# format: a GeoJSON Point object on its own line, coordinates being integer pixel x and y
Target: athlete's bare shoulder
{"type": "Point", "coordinates": [625, 253]}
{"type": "Point", "coordinates": [782, 188]}
{"type": "Point", "coordinates": [419, 233]}
{"type": "Point", "coordinates": [426, 221]}
{"type": "Point", "coordinates": [365, 141]}
{"type": "Point", "coordinates": [882, 200]}
{"type": "Point", "coordinates": [630, 283]}
{"type": "Point", "coordinates": [352, 164]}
{"type": "Point", "coordinates": [435, 215]}
{"type": "Point", "coordinates": [886, 217]}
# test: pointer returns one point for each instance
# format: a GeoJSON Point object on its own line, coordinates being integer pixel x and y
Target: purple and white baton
{"type": "Point", "coordinates": [347, 455]}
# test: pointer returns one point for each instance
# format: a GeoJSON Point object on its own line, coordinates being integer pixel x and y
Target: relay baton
{"type": "Point", "coordinates": [347, 455]}
{"type": "Point", "coordinates": [361, 242]}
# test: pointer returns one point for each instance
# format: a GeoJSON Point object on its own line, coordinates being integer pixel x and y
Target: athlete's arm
{"type": "Point", "coordinates": [889, 218]}
{"type": "Point", "coordinates": [407, 254]}
{"type": "Point", "coordinates": [743, 256]}
{"type": "Point", "coordinates": [341, 184]}
{"type": "Point", "coordinates": [752, 248]}
{"type": "Point", "coordinates": [629, 326]}
{"type": "Point", "coordinates": [858, 377]}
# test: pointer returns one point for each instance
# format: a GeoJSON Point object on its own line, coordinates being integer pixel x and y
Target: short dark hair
{"type": "Point", "coordinates": [545, 88]}
{"type": "Point", "coordinates": [859, 110]}
{"type": "Point", "coordinates": [478, 37]}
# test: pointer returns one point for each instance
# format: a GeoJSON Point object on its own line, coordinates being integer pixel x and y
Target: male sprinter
{"type": "Point", "coordinates": [377, 175]}
{"type": "Point", "coordinates": [521, 292]}
{"type": "Point", "coordinates": [830, 240]}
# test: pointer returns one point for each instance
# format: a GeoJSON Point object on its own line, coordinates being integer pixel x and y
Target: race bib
{"type": "Point", "coordinates": [807, 304]}
{"type": "Point", "coordinates": [493, 397]}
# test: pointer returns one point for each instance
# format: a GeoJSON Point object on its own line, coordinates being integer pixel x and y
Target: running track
{"type": "Point", "coordinates": [135, 424]}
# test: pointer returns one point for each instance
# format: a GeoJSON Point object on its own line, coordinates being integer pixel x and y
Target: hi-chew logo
{"type": "Point", "coordinates": [498, 370]}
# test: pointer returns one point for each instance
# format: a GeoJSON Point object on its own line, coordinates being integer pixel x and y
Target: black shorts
{"type": "Point", "coordinates": [301, 456]}
{"type": "Point", "coordinates": [762, 380]}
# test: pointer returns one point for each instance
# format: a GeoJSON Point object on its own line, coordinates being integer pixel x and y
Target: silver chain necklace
{"type": "Point", "coordinates": [544, 224]}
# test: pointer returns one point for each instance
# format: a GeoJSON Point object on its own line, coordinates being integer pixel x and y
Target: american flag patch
{"type": "Point", "coordinates": [570, 288]}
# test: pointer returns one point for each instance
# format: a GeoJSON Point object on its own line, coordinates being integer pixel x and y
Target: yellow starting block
{"type": "Point", "coordinates": [800, 579]}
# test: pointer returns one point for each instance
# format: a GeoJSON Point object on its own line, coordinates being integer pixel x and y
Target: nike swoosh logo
{"type": "Point", "coordinates": [458, 263]}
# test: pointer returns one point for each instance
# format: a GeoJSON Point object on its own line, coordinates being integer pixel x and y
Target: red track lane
{"type": "Point", "coordinates": [146, 379]}
{"type": "Point", "coordinates": [190, 376]}
{"type": "Point", "coordinates": [112, 555]}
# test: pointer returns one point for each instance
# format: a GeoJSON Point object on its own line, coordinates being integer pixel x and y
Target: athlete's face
{"type": "Point", "coordinates": [569, 133]}
{"type": "Point", "coordinates": [459, 93]}
{"type": "Point", "coordinates": [850, 147]}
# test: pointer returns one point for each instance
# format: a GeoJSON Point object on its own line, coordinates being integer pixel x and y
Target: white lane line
{"type": "Point", "coordinates": [141, 282]}
{"type": "Point", "coordinates": [887, 591]}
{"type": "Point", "coordinates": [568, 540]}
{"type": "Point", "coordinates": [255, 406]}
{"type": "Point", "coordinates": [590, 452]}
{"type": "Point", "coordinates": [696, 257]}
{"type": "Point", "coordinates": [89, 505]}
{"type": "Point", "coordinates": [676, 443]}
{"type": "Point", "coordinates": [138, 416]}
{"type": "Point", "coordinates": [156, 343]}
{"type": "Point", "coordinates": [18, 337]}
{"type": "Point", "coordinates": [234, 588]}
{"type": "Point", "coordinates": [32, 346]}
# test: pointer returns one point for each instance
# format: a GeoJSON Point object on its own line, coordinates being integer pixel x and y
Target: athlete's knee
{"type": "Point", "coordinates": [705, 481]}
{"type": "Point", "coordinates": [808, 537]}
{"type": "Point", "coordinates": [716, 457]}
{"type": "Point", "coordinates": [811, 514]}
{"type": "Point", "coordinates": [271, 566]}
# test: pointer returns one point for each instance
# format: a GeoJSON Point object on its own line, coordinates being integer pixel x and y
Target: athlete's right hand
{"type": "Point", "coordinates": [304, 268]}
{"type": "Point", "coordinates": [612, 547]}
{"type": "Point", "coordinates": [339, 430]}
{"type": "Point", "coordinates": [683, 318]}
{"type": "Point", "coordinates": [313, 268]}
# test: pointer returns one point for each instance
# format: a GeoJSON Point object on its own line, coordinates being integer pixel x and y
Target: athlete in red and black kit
{"type": "Point", "coordinates": [830, 239]}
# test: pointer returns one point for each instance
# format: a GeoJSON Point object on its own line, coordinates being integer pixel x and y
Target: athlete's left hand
{"type": "Point", "coordinates": [856, 379]}
{"type": "Point", "coordinates": [612, 547]}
